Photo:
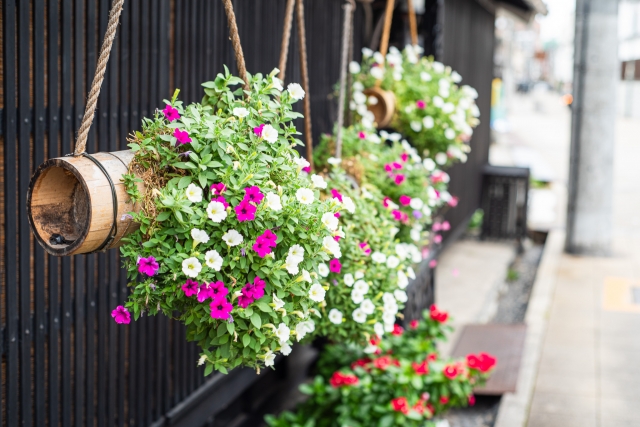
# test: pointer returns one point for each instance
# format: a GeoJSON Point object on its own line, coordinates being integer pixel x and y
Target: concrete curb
{"type": "Point", "coordinates": [514, 408]}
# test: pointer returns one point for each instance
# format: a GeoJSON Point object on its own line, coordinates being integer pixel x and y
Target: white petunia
{"type": "Point", "coordinates": [361, 109]}
{"type": "Point", "coordinates": [393, 261]}
{"type": "Point", "coordinates": [335, 316]}
{"type": "Point", "coordinates": [191, 267]}
{"type": "Point", "coordinates": [428, 122]}
{"type": "Point", "coordinates": [269, 358]}
{"type": "Point", "coordinates": [359, 316]}
{"type": "Point", "coordinates": [240, 112]}
{"type": "Point", "coordinates": [400, 295]}
{"type": "Point", "coordinates": [356, 296]}
{"type": "Point", "coordinates": [429, 164]}
{"type": "Point", "coordinates": [426, 77]}
{"type": "Point", "coordinates": [330, 221]}
{"type": "Point", "coordinates": [444, 92]}
{"type": "Point", "coordinates": [401, 251]}
{"type": "Point", "coordinates": [403, 281]}
{"type": "Point", "coordinates": [269, 133]}
{"type": "Point", "coordinates": [395, 137]}
{"type": "Point", "coordinates": [305, 196]}
{"type": "Point", "coordinates": [213, 260]}
{"type": "Point", "coordinates": [388, 298]}
{"type": "Point", "coordinates": [378, 58]}
{"type": "Point", "coordinates": [410, 273]}
{"type": "Point", "coordinates": [277, 83]}
{"type": "Point", "coordinates": [370, 349]}
{"type": "Point", "coordinates": [389, 319]}
{"type": "Point", "coordinates": [334, 161]}
{"type": "Point", "coordinates": [285, 349]}
{"type": "Point", "coordinates": [390, 307]}
{"type": "Point", "coordinates": [348, 204]}
{"type": "Point", "coordinates": [348, 279]}
{"type": "Point", "coordinates": [323, 270]}
{"type": "Point", "coordinates": [301, 162]}
{"type": "Point", "coordinates": [393, 231]}
{"type": "Point", "coordinates": [366, 52]}
{"type": "Point", "coordinates": [317, 292]}
{"type": "Point", "coordinates": [297, 252]}
{"type": "Point", "coordinates": [232, 238]}
{"type": "Point", "coordinates": [199, 236]}
{"type": "Point", "coordinates": [372, 100]}
{"type": "Point", "coordinates": [416, 126]}
{"type": "Point", "coordinates": [318, 181]}
{"type": "Point", "coordinates": [448, 108]}
{"type": "Point", "coordinates": [273, 201]}
{"type": "Point", "coordinates": [361, 286]}
{"type": "Point", "coordinates": [416, 203]}
{"type": "Point", "coordinates": [441, 158]}
{"type": "Point", "coordinates": [415, 234]}
{"type": "Point", "coordinates": [374, 138]}
{"type": "Point", "coordinates": [216, 212]}
{"type": "Point", "coordinates": [277, 302]}
{"type": "Point", "coordinates": [397, 76]}
{"type": "Point", "coordinates": [301, 330]}
{"type": "Point", "coordinates": [377, 72]}
{"type": "Point", "coordinates": [296, 91]}
{"type": "Point", "coordinates": [378, 257]}
{"type": "Point", "coordinates": [438, 67]}
{"type": "Point", "coordinates": [378, 329]}
{"type": "Point", "coordinates": [330, 245]}
{"type": "Point", "coordinates": [456, 77]}
{"type": "Point", "coordinates": [438, 102]}
{"type": "Point", "coordinates": [194, 193]}
{"type": "Point", "coordinates": [291, 265]}
{"type": "Point", "coordinates": [283, 333]}
{"type": "Point", "coordinates": [359, 274]}
{"type": "Point", "coordinates": [359, 98]}
{"type": "Point", "coordinates": [358, 87]}
{"type": "Point", "coordinates": [367, 306]}
{"type": "Point", "coordinates": [306, 276]}
{"type": "Point", "coordinates": [449, 133]}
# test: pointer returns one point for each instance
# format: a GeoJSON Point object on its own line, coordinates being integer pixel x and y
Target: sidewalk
{"type": "Point", "coordinates": [588, 372]}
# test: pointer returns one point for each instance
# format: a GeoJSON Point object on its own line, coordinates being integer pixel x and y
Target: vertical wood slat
{"type": "Point", "coordinates": [10, 154]}
{"type": "Point", "coordinates": [39, 333]}
{"type": "Point", "coordinates": [24, 172]}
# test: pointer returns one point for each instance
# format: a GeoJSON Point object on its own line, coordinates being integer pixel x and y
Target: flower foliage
{"type": "Point", "coordinates": [230, 230]}
{"type": "Point", "coordinates": [432, 111]}
{"type": "Point", "coordinates": [405, 383]}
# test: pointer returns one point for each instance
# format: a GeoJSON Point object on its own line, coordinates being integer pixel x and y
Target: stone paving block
{"type": "Point", "coordinates": [578, 383]}
{"type": "Point", "coordinates": [545, 419]}
{"type": "Point", "coordinates": [619, 409]}
{"type": "Point", "coordinates": [566, 404]}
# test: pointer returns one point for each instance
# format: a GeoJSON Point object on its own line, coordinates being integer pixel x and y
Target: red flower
{"type": "Point", "coordinates": [444, 400]}
{"type": "Point", "coordinates": [450, 371]}
{"type": "Point", "coordinates": [431, 409]}
{"type": "Point", "coordinates": [400, 404]}
{"type": "Point", "coordinates": [419, 407]}
{"type": "Point", "coordinates": [397, 330]}
{"type": "Point", "coordinates": [487, 362]}
{"type": "Point", "coordinates": [361, 362]}
{"type": "Point", "coordinates": [432, 357]}
{"type": "Point", "coordinates": [437, 315]}
{"type": "Point", "coordinates": [473, 361]}
{"type": "Point", "coordinates": [338, 379]}
{"type": "Point", "coordinates": [414, 324]}
{"type": "Point", "coordinates": [382, 362]}
{"type": "Point", "coordinates": [421, 368]}
{"type": "Point", "coordinates": [472, 400]}
{"type": "Point", "coordinates": [375, 340]}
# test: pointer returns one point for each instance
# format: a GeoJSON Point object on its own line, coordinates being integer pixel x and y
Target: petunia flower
{"type": "Point", "coordinates": [148, 266]}
{"type": "Point", "coordinates": [421, 104]}
{"type": "Point", "coordinates": [262, 246]}
{"type": "Point", "coordinates": [245, 211]}
{"type": "Point", "coordinates": [170, 113]}
{"type": "Point", "coordinates": [220, 309]}
{"type": "Point", "coordinates": [182, 137]}
{"type": "Point", "coordinates": [336, 194]}
{"type": "Point", "coordinates": [218, 188]}
{"type": "Point", "coordinates": [258, 130]}
{"type": "Point", "coordinates": [253, 194]}
{"type": "Point", "coordinates": [399, 179]}
{"type": "Point", "coordinates": [190, 288]}
{"type": "Point", "coordinates": [405, 200]}
{"type": "Point", "coordinates": [335, 266]}
{"type": "Point", "coordinates": [121, 315]}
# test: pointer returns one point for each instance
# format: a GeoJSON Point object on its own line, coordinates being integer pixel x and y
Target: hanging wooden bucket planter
{"type": "Point", "coordinates": [384, 109]}
{"type": "Point", "coordinates": [79, 205]}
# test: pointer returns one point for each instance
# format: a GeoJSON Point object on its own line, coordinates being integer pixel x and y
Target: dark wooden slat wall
{"type": "Point", "coordinates": [64, 361]}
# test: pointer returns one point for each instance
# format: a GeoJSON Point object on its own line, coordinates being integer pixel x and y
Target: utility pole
{"type": "Point", "coordinates": [595, 78]}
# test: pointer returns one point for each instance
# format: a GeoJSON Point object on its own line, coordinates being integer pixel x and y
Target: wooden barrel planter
{"type": "Point", "coordinates": [78, 205]}
{"type": "Point", "coordinates": [384, 109]}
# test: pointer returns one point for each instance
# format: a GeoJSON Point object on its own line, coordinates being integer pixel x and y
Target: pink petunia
{"type": "Point", "coordinates": [335, 266]}
{"type": "Point", "coordinates": [271, 237]}
{"type": "Point", "coordinates": [453, 202]}
{"type": "Point", "coordinates": [306, 169]}
{"type": "Point", "coordinates": [217, 290]}
{"type": "Point", "coordinates": [182, 137]}
{"type": "Point", "coordinates": [433, 263]}
{"type": "Point", "coordinates": [397, 165]}
{"type": "Point", "coordinates": [388, 167]}
{"type": "Point", "coordinates": [262, 246]}
{"type": "Point", "coordinates": [258, 130]}
{"type": "Point", "coordinates": [362, 135]}
{"type": "Point", "coordinates": [399, 179]}
{"type": "Point", "coordinates": [244, 301]}
{"type": "Point", "coordinates": [336, 238]}
{"type": "Point", "coordinates": [405, 200]}
{"type": "Point", "coordinates": [245, 211]}
{"type": "Point", "coordinates": [253, 194]}
{"type": "Point", "coordinates": [397, 215]}
{"type": "Point", "coordinates": [222, 200]}
{"type": "Point", "coordinates": [218, 188]}
{"type": "Point", "coordinates": [446, 226]}
{"type": "Point", "coordinates": [170, 113]}
{"type": "Point", "coordinates": [220, 309]}
{"type": "Point", "coordinates": [421, 104]}
{"type": "Point", "coordinates": [437, 239]}
{"type": "Point", "coordinates": [148, 266]}
{"type": "Point", "coordinates": [190, 288]}
{"type": "Point", "coordinates": [336, 194]}
{"type": "Point", "coordinates": [121, 315]}
{"type": "Point", "coordinates": [404, 157]}
{"type": "Point", "coordinates": [385, 202]}
{"type": "Point", "coordinates": [436, 226]}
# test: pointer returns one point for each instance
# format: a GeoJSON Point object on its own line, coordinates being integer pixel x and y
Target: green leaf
{"type": "Point", "coordinates": [208, 369]}
{"type": "Point", "coordinates": [184, 182]}
{"type": "Point", "coordinates": [163, 216]}
{"type": "Point", "coordinates": [246, 339]}
{"type": "Point", "coordinates": [256, 320]}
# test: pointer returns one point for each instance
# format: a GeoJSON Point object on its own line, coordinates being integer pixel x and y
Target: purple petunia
{"type": "Point", "coordinates": [148, 266]}
{"type": "Point", "coordinates": [121, 315]}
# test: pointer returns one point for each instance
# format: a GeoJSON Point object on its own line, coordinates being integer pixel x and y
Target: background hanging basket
{"type": "Point", "coordinates": [70, 203]}
{"type": "Point", "coordinates": [384, 108]}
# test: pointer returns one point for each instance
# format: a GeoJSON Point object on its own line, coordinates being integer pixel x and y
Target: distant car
{"type": "Point", "coordinates": [523, 86]}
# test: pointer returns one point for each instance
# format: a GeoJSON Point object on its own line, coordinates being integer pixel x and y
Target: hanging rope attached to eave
{"type": "Point", "coordinates": [346, 35]}
{"type": "Point", "coordinates": [234, 36]}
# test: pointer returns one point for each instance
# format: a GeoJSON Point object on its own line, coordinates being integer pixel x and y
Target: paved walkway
{"type": "Point", "coordinates": [589, 367]}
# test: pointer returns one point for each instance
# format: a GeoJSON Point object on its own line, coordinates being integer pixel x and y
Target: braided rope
{"type": "Point", "coordinates": [234, 36]}
{"type": "Point", "coordinates": [101, 68]}
{"type": "Point", "coordinates": [304, 74]}
{"type": "Point", "coordinates": [346, 35]}
{"type": "Point", "coordinates": [286, 36]}
{"type": "Point", "coordinates": [386, 32]}
{"type": "Point", "coordinates": [413, 26]}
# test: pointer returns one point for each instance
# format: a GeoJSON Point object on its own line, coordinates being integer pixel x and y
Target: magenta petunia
{"type": "Point", "coordinates": [257, 281]}
{"type": "Point", "coordinates": [222, 200]}
{"type": "Point", "coordinates": [421, 104]}
{"type": "Point", "coordinates": [336, 194]}
{"type": "Point", "coordinates": [388, 167]}
{"type": "Point", "coordinates": [262, 246]}
{"type": "Point", "coordinates": [170, 113]}
{"type": "Point", "coordinates": [405, 200]}
{"type": "Point", "coordinates": [253, 194]}
{"type": "Point", "coordinates": [397, 165]}
{"type": "Point", "coordinates": [190, 287]}
{"type": "Point", "coordinates": [335, 266]}
{"type": "Point", "coordinates": [258, 130]}
{"type": "Point", "coordinates": [220, 308]}
{"type": "Point", "coordinates": [121, 315]}
{"type": "Point", "coordinates": [182, 137]}
{"type": "Point", "coordinates": [365, 248]}
{"type": "Point", "coordinates": [337, 214]}
{"type": "Point", "coordinates": [244, 301]}
{"type": "Point", "coordinates": [397, 215]}
{"type": "Point", "coordinates": [399, 179]}
{"type": "Point", "coordinates": [218, 188]}
{"type": "Point", "coordinates": [148, 266]}
{"type": "Point", "coordinates": [362, 135]}
{"type": "Point", "coordinates": [306, 169]}
{"type": "Point", "coordinates": [404, 157]}
{"type": "Point", "coordinates": [271, 237]}
{"type": "Point", "coordinates": [336, 238]}
{"type": "Point", "coordinates": [386, 202]}
{"type": "Point", "coordinates": [245, 211]}
{"type": "Point", "coordinates": [204, 292]}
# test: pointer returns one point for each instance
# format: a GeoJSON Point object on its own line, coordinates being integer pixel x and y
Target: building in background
{"type": "Point", "coordinates": [629, 54]}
